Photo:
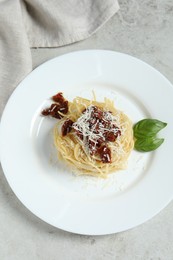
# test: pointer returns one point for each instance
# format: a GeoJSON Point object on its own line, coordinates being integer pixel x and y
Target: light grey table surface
{"type": "Point", "coordinates": [143, 29]}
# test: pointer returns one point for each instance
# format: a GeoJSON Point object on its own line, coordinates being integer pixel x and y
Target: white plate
{"type": "Point", "coordinates": [87, 205]}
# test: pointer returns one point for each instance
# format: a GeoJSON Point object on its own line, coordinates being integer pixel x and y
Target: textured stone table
{"type": "Point", "coordinates": [142, 28]}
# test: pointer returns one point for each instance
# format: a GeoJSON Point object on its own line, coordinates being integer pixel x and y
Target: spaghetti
{"type": "Point", "coordinates": [93, 138]}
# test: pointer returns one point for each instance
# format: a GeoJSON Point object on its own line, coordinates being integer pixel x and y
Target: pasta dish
{"type": "Point", "coordinates": [92, 137]}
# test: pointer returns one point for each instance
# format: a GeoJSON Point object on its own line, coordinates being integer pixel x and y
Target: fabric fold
{"type": "Point", "coordinates": [15, 54]}
{"type": "Point", "coordinates": [58, 23]}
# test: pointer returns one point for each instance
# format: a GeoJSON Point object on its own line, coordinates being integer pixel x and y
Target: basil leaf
{"type": "Point", "coordinates": [148, 128]}
{"type": "Point", "coordinates": [148, 144]}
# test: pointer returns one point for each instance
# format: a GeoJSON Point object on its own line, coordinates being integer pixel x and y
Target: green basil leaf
{"type": "Point", "coordinates": [148, 128]}
{"type": "Point", "coordinates": [148, 144]}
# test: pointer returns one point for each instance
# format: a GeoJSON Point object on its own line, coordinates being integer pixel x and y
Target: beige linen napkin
{"type": "Point", "coordinates": [41, 23]}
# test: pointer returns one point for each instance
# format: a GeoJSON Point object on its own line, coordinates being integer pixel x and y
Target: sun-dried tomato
{"type": "Point", "coordinates": [66, 127]}
{"type": "Point", "coordinates": [57, 109]}
{"type": "Point", "coordinates": [105, 153]}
